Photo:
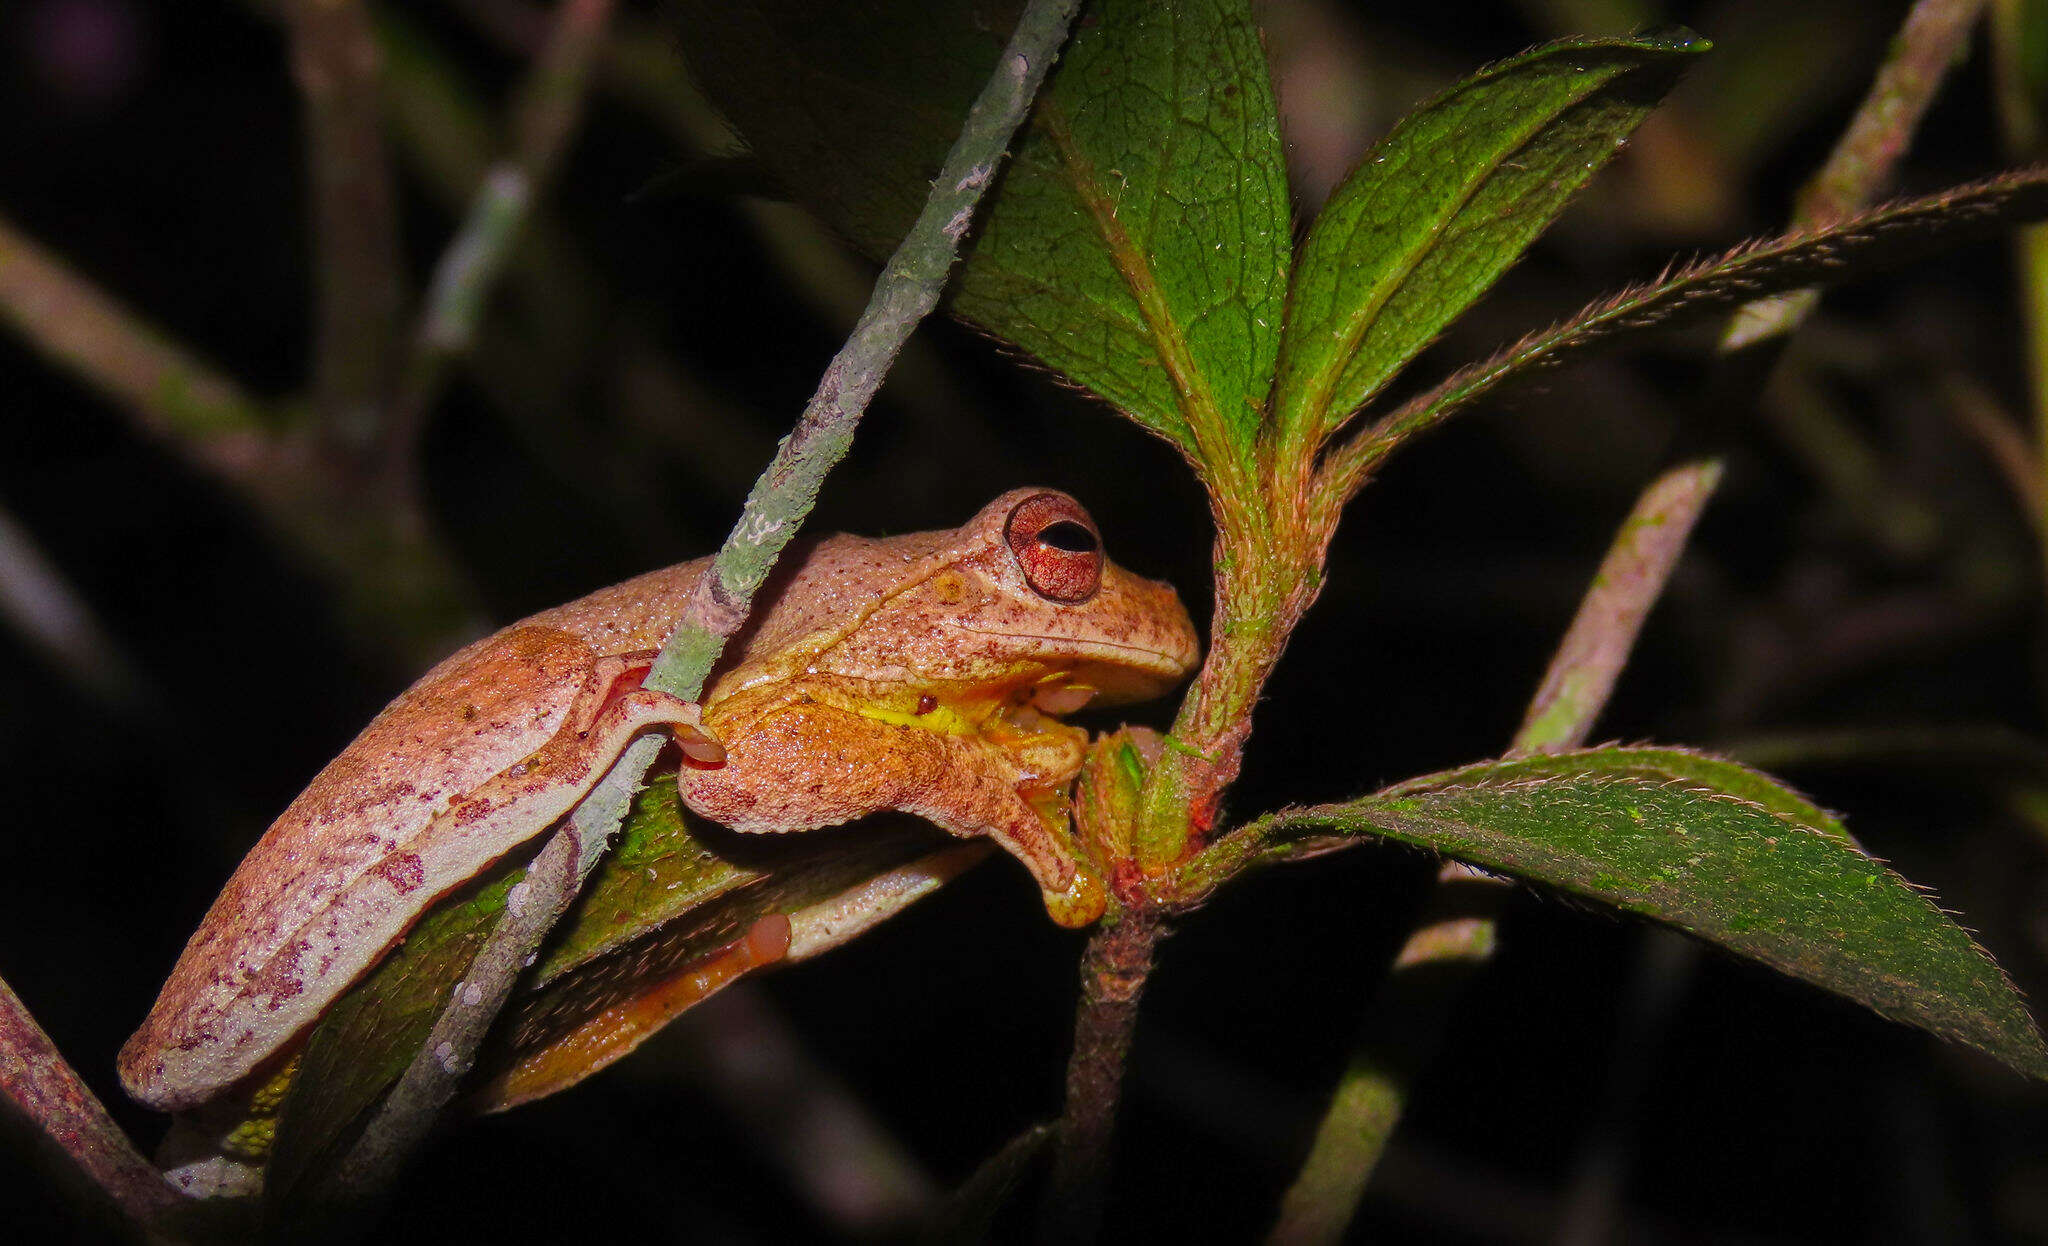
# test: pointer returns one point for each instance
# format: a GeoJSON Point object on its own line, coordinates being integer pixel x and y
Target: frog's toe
{"type": "Point", "coordinates": [698, 744]}
{"type": "Point", "coordinates": [1082, 903]}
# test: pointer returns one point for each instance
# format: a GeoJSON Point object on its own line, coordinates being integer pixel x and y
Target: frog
{"type": "Point", "coordinates": [926, 672]}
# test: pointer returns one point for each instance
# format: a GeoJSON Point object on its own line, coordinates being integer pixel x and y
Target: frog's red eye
{"type": "Point", "coordinates": [1057, 546]}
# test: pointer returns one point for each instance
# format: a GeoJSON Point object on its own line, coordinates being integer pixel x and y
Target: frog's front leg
{"type": "Point", "coordinates": [812, 765]}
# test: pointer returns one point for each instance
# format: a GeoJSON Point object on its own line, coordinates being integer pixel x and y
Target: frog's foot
{"type": "Point", "coordinates": [616, 708]}
{"type": "Point", "coordinates": [1074, 896]}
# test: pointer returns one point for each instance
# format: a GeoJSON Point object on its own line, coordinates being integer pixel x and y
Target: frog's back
{"type": "Point", "coordinates": [335, 878]}
{"type": "Point", "coordinates": [346, 868]}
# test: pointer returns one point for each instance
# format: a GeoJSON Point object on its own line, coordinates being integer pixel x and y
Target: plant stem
{"type": "Point", "coordinates": [355, 223]}
{"type": "Point", "coordinates": [1934, 36]}
{"type": "Point", "coordinates": [906, 291]}
{"type": "Point", "coordinates": [1456, 933]}
{"type": "Point", "coordinates": [49, 1093]}
{"type": "Point", "coordinates": [1114, 970]}
{"type": "Point", "coordinates": [175, 396]}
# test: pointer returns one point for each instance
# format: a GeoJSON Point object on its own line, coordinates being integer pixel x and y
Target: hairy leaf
{"type": "Point", "coordinates": [1891, 234]}
{"type": "Point", "coordinates": [1139, 242]}
{"type": "Point", "coordinates": [1717, 850]}
{"type": "Point", "coordinates": [663, 898]}
{"type": "Point", "coordinates": [1446, 202]}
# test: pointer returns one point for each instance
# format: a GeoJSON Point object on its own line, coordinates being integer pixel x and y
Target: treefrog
{"type": "Point", "coordinates": [924, 673]}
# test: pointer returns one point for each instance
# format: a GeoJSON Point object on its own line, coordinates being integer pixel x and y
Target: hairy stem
{"type": "Point", "coordinates": [1114, 969]}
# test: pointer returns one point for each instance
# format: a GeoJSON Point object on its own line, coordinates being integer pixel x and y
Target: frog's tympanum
{"type": "Point", "coordinates": [922, 673]}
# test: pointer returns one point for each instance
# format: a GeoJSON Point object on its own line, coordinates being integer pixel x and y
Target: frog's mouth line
{"type": "Point", "coordinates": [1157, 660]}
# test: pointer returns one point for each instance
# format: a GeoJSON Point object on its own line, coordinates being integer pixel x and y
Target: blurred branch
{"type": "Point", "coordinates": [554, 330]}
{"type": "Point", "coordinates": [906, 292]}
{"type": "Point", "coordinates": [968, 1215]}
{"type": "Point", "coordinates": [2022, 96]}
{"type": "Point", "coordinates": [1455, 935]}
{"type": "Point", "coordinates": [550, 103]}
{"type": "Point", "coordinates": [1933, 38]}
{"type": "Point", "coordinates": [1987, 421]}
{"type": "Point", "coordinates": [856, 1177]}
{"type": "Point", "coordinates": [336, 63]}
{"type": "Point", "coordinates": [51, 616]}
{"type": "Point", "coordinates": [44, 1088]}
{"type": "Point", "coordinates": [640, 67]}
{"type": "Point", "coordinates": [176, 397]}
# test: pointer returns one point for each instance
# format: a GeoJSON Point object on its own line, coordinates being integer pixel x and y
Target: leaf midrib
{"type": "Point", "coordinates": [1190, 385]}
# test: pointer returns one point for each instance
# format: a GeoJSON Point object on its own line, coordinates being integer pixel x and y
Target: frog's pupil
{"type": "Point", "coordinates": [1068, 536]}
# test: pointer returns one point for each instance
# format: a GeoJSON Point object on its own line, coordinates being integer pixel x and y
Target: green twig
{"type": "Point", "coordinates": [1933, 38]}
{"type": "Point", "coordinates": [907, 290]}
{"type": "Point", "coordinates": [1455, 935]}
{"type": "Point", "coordinates": [355, 221]}
{"type": "Point", "coordinates": [44, 1088]}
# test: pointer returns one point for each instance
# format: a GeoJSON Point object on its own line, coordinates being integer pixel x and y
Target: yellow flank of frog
{"type": "Point", "coordinates": [925, 673]}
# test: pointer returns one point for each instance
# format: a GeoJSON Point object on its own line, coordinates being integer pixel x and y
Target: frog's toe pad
{"type": "Point", "coordinates": [698, 745]}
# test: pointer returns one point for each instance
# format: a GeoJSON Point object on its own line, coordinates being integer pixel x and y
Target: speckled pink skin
{"type": "Point", "coordinates": [501, 740]}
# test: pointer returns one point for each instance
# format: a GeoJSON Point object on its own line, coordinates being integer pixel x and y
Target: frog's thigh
{"type": "Point", "coordinates": [814, 765]}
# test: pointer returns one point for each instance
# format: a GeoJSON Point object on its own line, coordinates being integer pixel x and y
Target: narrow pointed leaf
{"type": "Point", "coordinates": [1715, 849]}
{"type": "Point", "coordinates": [1891, 234]}
{"type": "Point", "coordinates": [1139, 242]}
{"type": "Point", "coordinates": [662, 900]}
{"type": "Point", "coordinates": [1446, 202]}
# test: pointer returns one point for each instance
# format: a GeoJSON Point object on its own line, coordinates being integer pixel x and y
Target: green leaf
{"type": "Point", "coordinates": [663, 898]}
{"type": "Point", "coordinates": [1717, 850]}
{"type": "Point", "coordinates": [1440, 208]}
{"type": "Point", "coordinates": [1891, 234]}
{"type": "Point", "coordinates": [1139, 242]}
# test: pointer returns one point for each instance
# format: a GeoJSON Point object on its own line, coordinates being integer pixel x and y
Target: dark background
{"type": "Point", "coordinates": [1862, 567]}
